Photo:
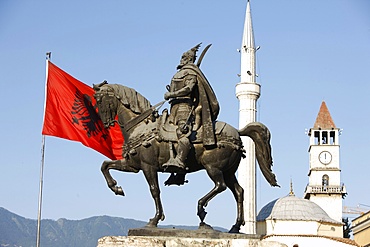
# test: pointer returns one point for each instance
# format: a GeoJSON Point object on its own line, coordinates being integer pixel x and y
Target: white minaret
{"type": "Point", "coordinates": [247, 92]}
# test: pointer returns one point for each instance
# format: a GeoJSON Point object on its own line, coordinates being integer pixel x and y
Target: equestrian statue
{"type": "Point", "coordinates": [186, 140]}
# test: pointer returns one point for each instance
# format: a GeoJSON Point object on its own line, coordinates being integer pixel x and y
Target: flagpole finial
{"type": "Point", "coordinates": [48, 55]}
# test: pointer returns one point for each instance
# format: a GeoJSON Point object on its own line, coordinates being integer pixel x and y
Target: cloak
{"type": "Point", "coordinates": [209, 103]}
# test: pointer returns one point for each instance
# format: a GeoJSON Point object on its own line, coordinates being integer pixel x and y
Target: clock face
{"type": "Point", "coordinates": [325, 157]}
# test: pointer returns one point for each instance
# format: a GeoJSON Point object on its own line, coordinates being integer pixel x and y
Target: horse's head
{"type": "Point", "coordinates": [107, 103]}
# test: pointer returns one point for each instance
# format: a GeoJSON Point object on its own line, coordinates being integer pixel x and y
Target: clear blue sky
{"type": "Point", "coordinates": [310, 51]}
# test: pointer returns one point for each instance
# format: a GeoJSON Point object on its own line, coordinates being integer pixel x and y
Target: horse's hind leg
{"type": "Point", "coordinates": [218, 179]}
{"type": "Point", "coordinates": [238, 192]}
{"type": "Point", "coordinates": [119, 165]}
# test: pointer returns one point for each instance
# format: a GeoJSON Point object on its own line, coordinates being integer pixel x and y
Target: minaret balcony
{"type": "Point", "coordinates": [247, 89]}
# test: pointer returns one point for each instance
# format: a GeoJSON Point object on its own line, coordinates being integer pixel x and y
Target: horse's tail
{"type": "Point", "coordinates": [260, 134]}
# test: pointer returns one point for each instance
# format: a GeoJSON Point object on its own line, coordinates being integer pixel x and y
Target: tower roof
{"type": "Point", "coordinates": [323, 119]}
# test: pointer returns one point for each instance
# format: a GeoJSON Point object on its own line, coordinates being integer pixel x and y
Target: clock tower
{"type": "Point", "coordinates": [324, 186]}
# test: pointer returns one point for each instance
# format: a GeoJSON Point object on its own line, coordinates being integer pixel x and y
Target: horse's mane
{"type": "Point", "coordinates": [130, 98]}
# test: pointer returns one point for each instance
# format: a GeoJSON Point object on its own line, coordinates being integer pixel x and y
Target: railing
{"type": "Point", "coordinates": [325, 189]}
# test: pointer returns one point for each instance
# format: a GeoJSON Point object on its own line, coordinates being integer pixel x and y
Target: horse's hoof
{"type": "Point", "coordinates": [204, 226]}
{"type": "Point", "coordinates": [119, 191]}
{"type": "Point", "coordinates": [234, 229]}
{"type": "Point", "coordinates": [151, 224]}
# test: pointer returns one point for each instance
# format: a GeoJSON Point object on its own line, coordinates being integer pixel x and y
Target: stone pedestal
{"type": "Point", "coordinates": [157, 237]}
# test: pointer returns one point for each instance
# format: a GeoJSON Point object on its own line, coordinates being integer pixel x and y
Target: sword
{"type": "Point", "coordinates": [202, 55]}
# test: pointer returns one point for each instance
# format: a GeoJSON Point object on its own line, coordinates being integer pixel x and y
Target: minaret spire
{"type": "Point", "coordinates": [247, 92]}
{"type": "Point", "coordinates": [248, 50]}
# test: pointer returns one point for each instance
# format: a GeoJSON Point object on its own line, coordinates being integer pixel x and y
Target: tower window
{"type": "Point", "coordinates": [332, 137]}
{"type": "Point", "coordinates": [325, 182]}
{"type": "Point", "coordinates": [317, 137]}
{"type": "Point", "coordinates": [324, 139]}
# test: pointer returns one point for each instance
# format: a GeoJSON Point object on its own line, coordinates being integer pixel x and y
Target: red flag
{"type": "Point", "coordinates": [70, 113]}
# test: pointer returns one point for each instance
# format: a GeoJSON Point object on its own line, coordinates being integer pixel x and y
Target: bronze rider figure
{"type": "Point", "coordinates": [191, 92]}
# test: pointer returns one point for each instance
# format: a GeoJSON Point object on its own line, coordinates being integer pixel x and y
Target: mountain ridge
{"type": "Point", "coordinates": [18, 231]}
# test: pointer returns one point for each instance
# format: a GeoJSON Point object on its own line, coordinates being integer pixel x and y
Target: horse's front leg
{"type": "Point", "coordinates": [120, 165]}
{"type": "Point", "coordinates": [151, 176]}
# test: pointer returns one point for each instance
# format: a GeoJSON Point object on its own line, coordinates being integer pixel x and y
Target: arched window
{"type": "Point", "coordinates": [324, 137]}
{"type": "Point", "coordinates": [325, 182]}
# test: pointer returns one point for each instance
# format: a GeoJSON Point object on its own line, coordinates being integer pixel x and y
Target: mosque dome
{"type": "Point", "coordinates": [294, 209]}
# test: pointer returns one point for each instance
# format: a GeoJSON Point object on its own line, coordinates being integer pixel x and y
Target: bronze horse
{"type": "Point", "coordinates": [147, 148]}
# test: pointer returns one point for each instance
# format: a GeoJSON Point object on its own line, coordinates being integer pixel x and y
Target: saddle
{"type": "Point", "coordinates": [167, 130]}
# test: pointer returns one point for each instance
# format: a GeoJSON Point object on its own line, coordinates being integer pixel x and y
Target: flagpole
{"type": "Point", "coordinates": [40, 192]}
{"type": "Point", "coordinates": [48, 57]}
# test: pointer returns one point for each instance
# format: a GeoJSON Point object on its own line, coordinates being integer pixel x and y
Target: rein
{"type": "Point", "coordinates": [133, 122]}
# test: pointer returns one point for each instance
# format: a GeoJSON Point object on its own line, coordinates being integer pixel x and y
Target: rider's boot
{"type": "Point", "coordinates": [183, 149]}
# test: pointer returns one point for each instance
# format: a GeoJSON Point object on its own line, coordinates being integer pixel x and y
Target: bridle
{"type": "Point", "coordinates": [101, 93]}
{"type": "Point", "coordinates": [108, 120]}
